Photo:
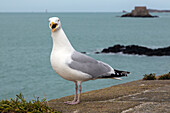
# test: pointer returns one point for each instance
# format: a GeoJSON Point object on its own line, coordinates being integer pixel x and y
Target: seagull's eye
{"type": "Point", "coordinates": [58, 20]}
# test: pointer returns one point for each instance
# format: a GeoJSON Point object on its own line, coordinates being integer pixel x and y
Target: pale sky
{"type": "Point", "coordinates": [79, 5]}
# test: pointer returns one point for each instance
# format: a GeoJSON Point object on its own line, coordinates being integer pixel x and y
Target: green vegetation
{"type": "Point", "coordinates": [164, 77]}
{"type": "Point", "coordinates": [149, 76]}
{"type": "Point", "coordinates": [152, 76]}
{"type": "Point", "coordinates": [20, 105]}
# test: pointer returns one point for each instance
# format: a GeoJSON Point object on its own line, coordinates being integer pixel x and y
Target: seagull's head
{"type": "Point", "coordinates": [54, 23]}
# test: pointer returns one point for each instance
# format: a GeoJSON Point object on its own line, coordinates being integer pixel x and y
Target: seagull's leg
{"type": "Point", "coordinates": [75, 96]}
{"type": "Point", "coordinates": [79, 96]}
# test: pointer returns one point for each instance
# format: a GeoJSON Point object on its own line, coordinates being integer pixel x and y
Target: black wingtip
{"type": "Point", "coordinates": [126, 73]}
{"type": "Point", "coordinates": [117, 74]}
{"type": "Point", "coordinates": [121, 73]}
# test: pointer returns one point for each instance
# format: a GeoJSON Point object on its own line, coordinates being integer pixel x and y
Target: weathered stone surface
{"type": "Point", "coordinates": [139, 12]}
{"type": "Point", "coordinates": [133, 97]}
{"type": "Point", "coordinates": [137, 50]}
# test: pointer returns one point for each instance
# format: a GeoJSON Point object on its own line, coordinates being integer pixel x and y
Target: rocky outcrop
{"type": "Point", "coordinates": [137, 50]}
{"type": "Point", "coordinates": [139, 12]}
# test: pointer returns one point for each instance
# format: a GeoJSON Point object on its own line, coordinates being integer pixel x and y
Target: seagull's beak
{"type": "Point", "coordinates": [53, 26]}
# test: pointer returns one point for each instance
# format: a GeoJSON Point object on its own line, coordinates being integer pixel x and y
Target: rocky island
{"type": "Point", "coordinates": [137, 50]}
{"type": "Point", "coordinates": [139, 12]}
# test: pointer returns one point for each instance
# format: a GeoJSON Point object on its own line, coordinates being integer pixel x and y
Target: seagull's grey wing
{"type": "Point", "coordinates": [86, 64]}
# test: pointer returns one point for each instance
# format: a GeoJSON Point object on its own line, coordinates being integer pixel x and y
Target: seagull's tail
{"type": "Point", "coordinates": [117, 74]}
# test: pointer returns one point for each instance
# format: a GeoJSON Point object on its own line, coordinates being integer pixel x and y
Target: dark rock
{"type": "Point", "coordinates": [97, 52]}
{"type": "Point", "coordinates": [114, 49]}
{"type": "Point", "coordinates": [139, 12]}
{"type": "Point", "coordinates": [124, 11]}
{"type": "Point", "coordinates": [83, 52]}
{"type": "Point", "coordinates": [137, 50]}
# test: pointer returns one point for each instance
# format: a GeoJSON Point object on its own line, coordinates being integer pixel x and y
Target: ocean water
{"type": "Point", "coordinates": [25, 47]}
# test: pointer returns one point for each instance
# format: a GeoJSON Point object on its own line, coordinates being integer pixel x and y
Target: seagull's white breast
{"type": "Point", "coordinates": [59, 62]}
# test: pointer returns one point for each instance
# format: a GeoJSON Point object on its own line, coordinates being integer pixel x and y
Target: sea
{"type": "Point", "coordinates": [26, 43]}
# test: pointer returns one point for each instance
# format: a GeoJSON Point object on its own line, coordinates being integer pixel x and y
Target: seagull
{"type": "Point", "coordinates": [76, 66]}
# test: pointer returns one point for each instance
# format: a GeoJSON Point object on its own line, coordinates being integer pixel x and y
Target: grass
{"type": "Point", "coordinates": [20, 105]}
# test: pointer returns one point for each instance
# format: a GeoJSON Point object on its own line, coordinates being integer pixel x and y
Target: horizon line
{"type": "Point", "coordinates": [62, 12]}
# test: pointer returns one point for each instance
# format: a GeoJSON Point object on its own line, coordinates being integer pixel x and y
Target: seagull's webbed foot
{"type": "Point", "coordinates": [72, 102]}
